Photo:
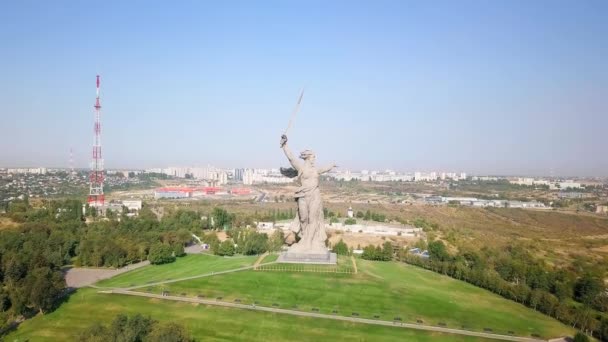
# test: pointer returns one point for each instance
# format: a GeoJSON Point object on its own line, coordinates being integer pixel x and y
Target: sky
{"type": "Point", "coordinates": [486, 87]}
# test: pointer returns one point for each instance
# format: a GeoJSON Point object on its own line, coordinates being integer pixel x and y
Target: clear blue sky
{"type": "Point", "coordinates": [501, 87]}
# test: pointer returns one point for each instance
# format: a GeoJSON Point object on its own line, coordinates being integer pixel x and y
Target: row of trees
{"type": "Point", "coordinates": [516, 275]}
{"type": "Point", "coordinates": [384, 253]}
{"type": "Point", "coordinates": [136, 328]}
{"type": "Point", "coordinates": [246, 241]}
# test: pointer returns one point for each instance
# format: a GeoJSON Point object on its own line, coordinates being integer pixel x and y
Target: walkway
{"type": "Point", "coordinates": [259, 261]}
{"type": "Point", "coordinates": [81, 276]}
{"type": "Point", "coordinates": [326, 316]}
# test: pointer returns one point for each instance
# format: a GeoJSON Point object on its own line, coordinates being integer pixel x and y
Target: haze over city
{"type": "Point", "coordinates": [481, 87]}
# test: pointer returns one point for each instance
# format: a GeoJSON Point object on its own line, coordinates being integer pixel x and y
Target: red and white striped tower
{"type": "Point", "coordinates": [96, 177]}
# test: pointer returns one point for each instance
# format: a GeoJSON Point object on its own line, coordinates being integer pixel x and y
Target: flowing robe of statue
{"type": "Point", "coordinates": [309, 224]}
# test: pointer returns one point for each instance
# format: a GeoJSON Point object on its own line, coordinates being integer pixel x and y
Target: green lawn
{"type": "Point", "coordinates": [270, 258]}
{"type": "Point", "coordinates": [207, 323]}
{"type": "Point", "coordinates": [189, 265]}
{"type": "Point", "coordinates": [385, 289]}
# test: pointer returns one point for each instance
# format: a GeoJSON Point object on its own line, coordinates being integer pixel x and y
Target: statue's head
{"type": "Point", "coordinates": [308, 155]}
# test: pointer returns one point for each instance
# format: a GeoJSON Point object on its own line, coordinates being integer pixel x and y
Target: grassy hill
{"type": "Point", "coordinates": [208, 323]}
{"type": "Point", "coordinates": [383, 289]}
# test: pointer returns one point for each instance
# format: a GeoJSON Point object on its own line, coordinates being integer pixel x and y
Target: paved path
{"type": "Point", "coordinates": [82, 276]}
{"type": "Point", "coordinates": [260, 259]}
{"type": "Point", "coordinates": [326, 316]}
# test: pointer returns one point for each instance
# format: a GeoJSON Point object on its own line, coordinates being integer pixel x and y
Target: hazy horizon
{"type": "Point", "coordinates": [510, 88]}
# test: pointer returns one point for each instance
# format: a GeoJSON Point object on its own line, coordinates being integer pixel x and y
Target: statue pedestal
{"type": "Point", "coordinates": [323, 258]}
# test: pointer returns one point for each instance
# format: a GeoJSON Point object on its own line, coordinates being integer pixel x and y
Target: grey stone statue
{"type": "Point", "coordinates": [309, 224]}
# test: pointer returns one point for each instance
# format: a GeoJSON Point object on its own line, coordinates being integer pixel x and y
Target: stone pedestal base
{"type": "Point", "coordinates": [326, 258]}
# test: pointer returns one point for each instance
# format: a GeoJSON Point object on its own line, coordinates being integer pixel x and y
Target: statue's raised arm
{"type": "Point", "coordinates": [292, 159]}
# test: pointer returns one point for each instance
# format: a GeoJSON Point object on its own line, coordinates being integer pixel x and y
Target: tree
{"type": "Point", "coordinates": [604, 329]}
{"type": "Point", "coordinates": [580, 337]}
{"type": "Point", "coordinates": [178, 250]}
{"type": "Point", "coordinates": [340, 248]}
{"type": "Point", "coordinates": [276, 241]}
{"type": "Point", "coordinates": [169, 332]}
{"type": "Point", "coordinates": [135, 329]}
{"type": "Point", "coordinates": [213, 241]}
{"type": "Point", "coordinates": [226, 248]}
{"type": "Point", "coordinates": [588, 288]}
{"type": "Point", "coordinates": [350, 221]}
{"type": "Point", "coordinates": [360, 215]}
{"type": "Point", "coordinates": [125, 328]}
{"type": "Point", "coordinates": [369, 253]}
{"type": "Point", "coordinates": [44, 287]}
{"type": "Point", "coordinates": [95, 333]}
{"type": "Point", "coordinates": [387, 251]}
{"type": "Point", "coordinates": [437, 251]}
{"type": "Point", "coordinates": [222, 218]}
{"type": "Point", "coordinates": [161, 254]}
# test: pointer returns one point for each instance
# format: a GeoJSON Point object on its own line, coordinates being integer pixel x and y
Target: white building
{"type": "Point", "coordinates": [570, 184]}
{"type": "Point", "coordinates": [34, 171]}
{"type": "Point", "coordinates": [132, 204]}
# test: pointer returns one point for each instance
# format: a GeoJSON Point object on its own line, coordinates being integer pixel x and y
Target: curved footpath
{"type": "Point", "coordinates": [325, 316]}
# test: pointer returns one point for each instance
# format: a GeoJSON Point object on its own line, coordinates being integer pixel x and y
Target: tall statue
{"type": "Point", "coordinates": [309, 224]}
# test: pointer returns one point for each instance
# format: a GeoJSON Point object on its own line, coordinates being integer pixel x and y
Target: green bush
{"type": "Point", "coordinates": [161, 254]}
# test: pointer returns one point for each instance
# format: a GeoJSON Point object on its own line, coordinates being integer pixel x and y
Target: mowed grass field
{"type": "Point", "coordinates": [383, 289]}
{"type": "Point", "coordinates": [208, 323]}
{"type": "Point", "coordinates": [187, 266]}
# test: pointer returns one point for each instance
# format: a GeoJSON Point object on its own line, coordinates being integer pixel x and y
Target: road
{"type": "Point", "coordinates": [326, 316]}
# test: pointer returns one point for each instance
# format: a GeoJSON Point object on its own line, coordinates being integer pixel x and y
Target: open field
{"type": "Point", "coordinates": [383, 289]}
{"type": "Point", "coordinates": [208, 323]}
{"type": "Point", "coordinates": [190, 265]}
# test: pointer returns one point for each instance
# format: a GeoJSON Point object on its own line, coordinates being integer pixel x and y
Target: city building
{"type": "Point", "coordinates": [570, 185]}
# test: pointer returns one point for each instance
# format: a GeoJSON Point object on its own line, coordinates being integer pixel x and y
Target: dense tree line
{"type": "Point", "coordinates": [246, 241]}
{"type": "Point", "coordinates": [31, 280]}
{"type": "Point", "coordinates": [370, 216]}
{"type": "Point", "coordinates": [575, 298]}
{"type": "Point", "coordinates": [384, 253]}
{"type": "Point", "coordinates": [136, 328]}
{"type": "Point", "coordinates": [55, 234]}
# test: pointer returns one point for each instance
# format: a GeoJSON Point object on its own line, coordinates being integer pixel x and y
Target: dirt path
{"type": "Point", "coordinates": [259, 261]}
{"type": "Point", "coordinates": [326, 316]}
{"type": "Point", "coordinates": [82, 276]}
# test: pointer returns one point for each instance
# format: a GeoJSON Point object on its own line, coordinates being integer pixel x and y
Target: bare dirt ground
{"type": "Point", "coordinates": [6, 223]}
{"type": "Point", "coordinates": [80, 277]}
{"type": "Point", "coordinates": [360, 239]}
